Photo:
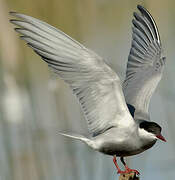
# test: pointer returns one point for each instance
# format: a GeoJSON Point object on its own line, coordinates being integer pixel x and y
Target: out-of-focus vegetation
{"type": "Point", "coordinates": [35, 105]}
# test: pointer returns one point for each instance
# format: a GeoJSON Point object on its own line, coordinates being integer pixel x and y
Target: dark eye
{"type": "Point", "coordinates": [151, 131]}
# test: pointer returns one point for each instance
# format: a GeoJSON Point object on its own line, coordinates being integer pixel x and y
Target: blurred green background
{"type": "Point", "coordinates": [35, 105]}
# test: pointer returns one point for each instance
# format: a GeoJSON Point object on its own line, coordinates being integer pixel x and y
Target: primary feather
{"type": "Point", "coordinates": [96, 85]}
{"type": "Point", "coordinates": [145, 65]}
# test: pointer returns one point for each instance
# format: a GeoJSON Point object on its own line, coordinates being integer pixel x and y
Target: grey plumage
{"type": "Point", "coordinates": [96, 85]}
{"type": "Point", "coordinates": [145, 64]}
{"type": "Point", "coordinates": [98, 88]}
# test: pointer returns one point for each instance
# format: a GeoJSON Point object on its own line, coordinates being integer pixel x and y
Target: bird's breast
{"type": "Point", "coordinates": [124, 148]}
{"type": "Point", "coordinates": [121, 143]}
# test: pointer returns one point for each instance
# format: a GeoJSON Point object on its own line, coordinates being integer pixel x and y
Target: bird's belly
{"type": "Point", "coordinates": [120, 142]}
{"type": "Point", "coordinates": [123, 149]}
{"type": "Point", "coordinates": [114, 149]}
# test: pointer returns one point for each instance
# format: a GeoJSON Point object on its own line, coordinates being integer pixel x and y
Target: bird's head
{"type": "Point", "coordinates": [150, 130]}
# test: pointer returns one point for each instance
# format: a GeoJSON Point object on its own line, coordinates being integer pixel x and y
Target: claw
{"type": "Point", "coordinates": [121, 172]}
{"type": "Point", "coordinates": [128, 170]}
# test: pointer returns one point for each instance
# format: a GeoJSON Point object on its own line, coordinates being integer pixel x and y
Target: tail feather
{"type": "Point", "coordinates": [74, 136]}
{"type": "Point", "coordinates": [80, 137]}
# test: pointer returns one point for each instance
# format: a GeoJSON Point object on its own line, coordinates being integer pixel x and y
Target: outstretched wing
{"type": "Point", "coordinates": [145, 65]}
{"type": "Point", "coordinates": [95, 84]}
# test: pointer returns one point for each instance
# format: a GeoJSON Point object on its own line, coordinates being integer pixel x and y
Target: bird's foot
{"type": "Point", "coordinates": [121, 172]}
{"type": "Point", "coordinates": [128, 170]}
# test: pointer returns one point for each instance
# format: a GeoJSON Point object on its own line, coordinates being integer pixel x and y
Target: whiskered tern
{"type": "Point", "coordinates": [117, 114]}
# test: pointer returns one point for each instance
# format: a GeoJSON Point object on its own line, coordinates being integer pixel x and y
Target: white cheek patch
{"type": "Point", "coordinates": [145, 134]}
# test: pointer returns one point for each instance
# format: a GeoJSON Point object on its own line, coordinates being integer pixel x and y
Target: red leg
{"type": "Point", "coordinates": [117, 166]}
{"type": "Point", "coordinates": [127, 169]}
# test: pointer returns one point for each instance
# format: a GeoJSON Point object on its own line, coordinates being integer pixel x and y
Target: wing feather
{"type": "Point", "coordinates": [96, 85]}
{"type": "Point", "coordinates": [145, 65]}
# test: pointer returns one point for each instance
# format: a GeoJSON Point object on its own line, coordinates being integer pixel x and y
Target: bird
{"type": "Point", "coordinates": [116, 113]}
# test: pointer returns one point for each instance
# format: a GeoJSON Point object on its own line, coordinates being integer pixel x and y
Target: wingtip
{"type": "Point", "coordinates": [139, 6]}
{"type": "Point", "coordinates": [15, 14]}
{"type": "Point", "coordinates": [142, 9]}
{"type": "Point", "coordinates": [17, 29]}
{"type": "Point", "coordinates": [13, 21]}
{"type": "Point", "coordinates": [134, 14]}
{"type": "Point", "coordinates": [147, 14]}
{"type": "Point", "coordinates": [134, 21]}
{"type": "Point", "coordinates": [12, 13]}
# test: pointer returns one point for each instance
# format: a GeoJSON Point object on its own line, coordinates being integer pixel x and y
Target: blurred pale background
{"type": "Point", "coordinates": [34, 105]}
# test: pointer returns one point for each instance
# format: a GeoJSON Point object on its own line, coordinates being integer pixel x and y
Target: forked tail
{"type": "Point", "coordinates": [80, 137]}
